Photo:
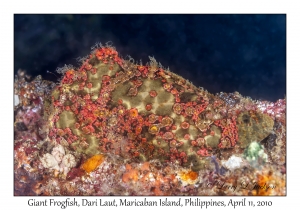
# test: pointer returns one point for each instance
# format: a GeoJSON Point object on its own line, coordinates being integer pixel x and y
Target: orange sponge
{"type": "Point", "coordinates": [92, 163]}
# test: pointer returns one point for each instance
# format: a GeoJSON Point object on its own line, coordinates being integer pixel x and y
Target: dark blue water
{"type": "Point", "coordinates": [244, 53]}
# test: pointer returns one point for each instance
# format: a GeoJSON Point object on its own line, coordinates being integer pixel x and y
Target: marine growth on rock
{"type": "Point", "coordinates": [112, 114]}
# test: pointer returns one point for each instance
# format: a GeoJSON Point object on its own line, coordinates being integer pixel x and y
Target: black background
{"type": "Point", "coordinates": [244, 53]}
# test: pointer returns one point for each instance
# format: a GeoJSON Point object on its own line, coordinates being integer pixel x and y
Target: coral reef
{"type": "Point", "coordinates": [114, 127]}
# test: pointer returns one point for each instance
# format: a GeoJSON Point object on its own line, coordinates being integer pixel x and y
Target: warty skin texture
{"type": "Point", "coordinates": [141, 113]}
